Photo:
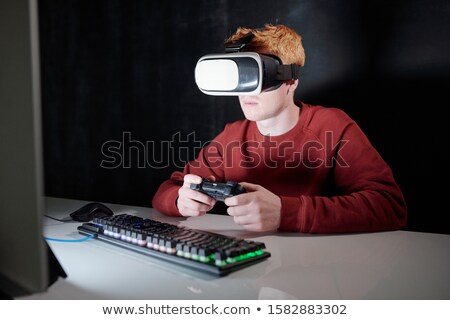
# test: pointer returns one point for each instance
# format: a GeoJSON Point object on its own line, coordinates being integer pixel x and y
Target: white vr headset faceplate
{"type": "Point", "coordinates": [230, 74]}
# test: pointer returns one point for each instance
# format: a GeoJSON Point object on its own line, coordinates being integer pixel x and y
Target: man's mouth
{"type": "Point", "coordinates": [250, 103]}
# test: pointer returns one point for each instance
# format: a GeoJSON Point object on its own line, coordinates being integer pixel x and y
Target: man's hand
{"type": "Point", "coordinates": [257, 210]}
{"type": "Point", "coordinates": [192, 203]}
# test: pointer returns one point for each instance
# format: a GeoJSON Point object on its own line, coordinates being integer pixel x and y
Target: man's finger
{"type": "Point", "coordinates": [196, 206]}
{"type": "Point", "coordinates": [238, 200]}
{"type": "Point", "coordinates": [187, 212]}
{"type": "Point", "coordinates": [191, 178]}
{"type": "Point", "coordinates": [250, 187]}
{"type": "Point", "coordinates": [238, 211]}
{"type": "Point", "coordinates": [197, 196]}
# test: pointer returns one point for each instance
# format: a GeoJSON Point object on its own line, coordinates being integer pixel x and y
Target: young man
{"type": "Point", "coordinates": [305, 168]}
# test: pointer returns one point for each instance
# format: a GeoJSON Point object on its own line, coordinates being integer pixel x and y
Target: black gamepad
{"type": "Point", "coordinates": [218, 190]}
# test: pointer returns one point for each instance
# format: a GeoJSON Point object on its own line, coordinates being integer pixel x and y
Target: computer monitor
{"type": "Point", "coordinates": [25, 266]}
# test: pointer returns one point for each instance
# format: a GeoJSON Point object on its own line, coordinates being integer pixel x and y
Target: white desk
{"type": "Point", "coordinates": [387, 265]}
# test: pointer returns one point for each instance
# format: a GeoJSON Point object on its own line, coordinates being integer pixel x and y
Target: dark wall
{"type": "Point", "coordinates": [118, 88]}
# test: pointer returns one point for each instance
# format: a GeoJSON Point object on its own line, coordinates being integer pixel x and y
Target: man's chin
{"type": "Point", "coordinates": [252, 116]}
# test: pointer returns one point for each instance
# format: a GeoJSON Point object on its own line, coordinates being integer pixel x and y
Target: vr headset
{"type": "Point", "coordinates": [238, 73]}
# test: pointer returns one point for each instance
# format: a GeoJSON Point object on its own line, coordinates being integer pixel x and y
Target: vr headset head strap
{"type": "Point", "coordinates": [284, 71]}
{"type": "Point", "coordinates": [239, 45]}
{"type": "Point", "coordinates": [288, 72]}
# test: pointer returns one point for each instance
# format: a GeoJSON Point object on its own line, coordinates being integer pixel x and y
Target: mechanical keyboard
{"type": "Point", "coordinates": [204, 251]}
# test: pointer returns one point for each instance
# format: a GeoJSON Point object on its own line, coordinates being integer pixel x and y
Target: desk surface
{"type": "Point", "coordinates": [385, 265]}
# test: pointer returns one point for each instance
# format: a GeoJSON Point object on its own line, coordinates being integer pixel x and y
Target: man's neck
{"type": "Point", "coordinates": [280, 124]}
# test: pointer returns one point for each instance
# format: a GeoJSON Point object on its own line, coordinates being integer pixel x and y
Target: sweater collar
{"type": "Point", "coordinates": [292, 133]}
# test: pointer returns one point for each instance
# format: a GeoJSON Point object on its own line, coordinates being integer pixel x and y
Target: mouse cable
{"type": "Point", "coordinates": [67, 219]}
{"type": "Point", "coordinates": [67, 240]}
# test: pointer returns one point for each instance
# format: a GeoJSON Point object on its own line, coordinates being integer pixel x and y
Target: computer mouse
{"type": "Point", "coordinates": [90, 211]}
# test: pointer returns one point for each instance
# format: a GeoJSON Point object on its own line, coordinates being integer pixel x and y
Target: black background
{"type": "Point", "coordinates": [115, 69]}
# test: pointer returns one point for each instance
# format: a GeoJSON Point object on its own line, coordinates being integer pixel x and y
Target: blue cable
{"type": "Point", "coordinates": [64, 240]}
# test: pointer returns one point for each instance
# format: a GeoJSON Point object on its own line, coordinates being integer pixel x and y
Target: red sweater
{"type": "Point", "coordinates": [329, 177]}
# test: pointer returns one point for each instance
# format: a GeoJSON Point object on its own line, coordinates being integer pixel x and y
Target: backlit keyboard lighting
{"type": "Point", "coordinates": [206, 251]}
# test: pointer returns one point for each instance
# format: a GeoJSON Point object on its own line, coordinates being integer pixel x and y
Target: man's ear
{"type": "Point", "coordinates": [291, 85]}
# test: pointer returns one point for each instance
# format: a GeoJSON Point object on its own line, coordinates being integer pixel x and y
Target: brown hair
{"type": "Point", "coordinates": [277, 40]}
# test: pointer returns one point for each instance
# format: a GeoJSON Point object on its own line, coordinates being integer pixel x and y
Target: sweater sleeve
{"type": "Point", "coordinates": [367, 197]}
{"type": "Point", "coordinates": [209, 163]}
